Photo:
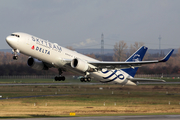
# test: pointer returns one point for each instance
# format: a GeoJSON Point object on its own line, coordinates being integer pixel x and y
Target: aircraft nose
{"type": "Point", "coordinates": [9, 39]}
{"type": "Point", "coordinates": [12, 41]}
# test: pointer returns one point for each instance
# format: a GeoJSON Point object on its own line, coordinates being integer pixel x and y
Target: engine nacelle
{"type": "Point", "coordinates": [36, 64]}
{"type": "Point", "coordinates": [80, 65]}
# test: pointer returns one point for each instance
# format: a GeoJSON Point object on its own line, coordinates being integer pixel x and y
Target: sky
{"type": "Point", "coordinates": [80, 23]}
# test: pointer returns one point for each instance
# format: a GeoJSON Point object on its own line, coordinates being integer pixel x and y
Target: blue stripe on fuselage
{"type": "Point", "coordinates": [110, 75]}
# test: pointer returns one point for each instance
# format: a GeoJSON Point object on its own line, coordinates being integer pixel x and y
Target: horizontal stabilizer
{"type": "Point", "coordinates": [145, 80]}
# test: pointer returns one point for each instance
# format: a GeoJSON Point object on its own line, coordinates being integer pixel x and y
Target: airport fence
{"type": "Point", "coordinates": [28, 77]}
{"type": "Point", "coordinates": [157, 76]}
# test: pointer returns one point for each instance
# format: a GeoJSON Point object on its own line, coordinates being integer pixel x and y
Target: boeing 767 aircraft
{"type": "Point", "coordinates": [44, 54]}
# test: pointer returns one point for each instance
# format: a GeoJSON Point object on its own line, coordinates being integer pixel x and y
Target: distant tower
{"type": "Point", "coordinates": [102, 44]}
{"type": "Point", "coordinates": [159, 42]}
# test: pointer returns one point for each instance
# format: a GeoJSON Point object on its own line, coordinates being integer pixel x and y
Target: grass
{"type": "Point", "coordinates": [89, 100]}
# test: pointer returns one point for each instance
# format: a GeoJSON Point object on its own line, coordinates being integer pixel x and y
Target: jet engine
{"type": "Point", "coordinates": [80, 65]}
{"type": "Point", "coordinates": [36, 64]}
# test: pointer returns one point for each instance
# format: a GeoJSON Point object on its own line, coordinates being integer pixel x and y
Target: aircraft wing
{"type": "Point", "coordinates": [133, 64]}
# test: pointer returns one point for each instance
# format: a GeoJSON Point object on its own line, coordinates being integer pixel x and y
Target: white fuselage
{"type": "Point", "coordinates": [57, 56]}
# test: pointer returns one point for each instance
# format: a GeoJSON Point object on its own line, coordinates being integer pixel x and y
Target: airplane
{"type": "Point", "coordinates": [44, 55]}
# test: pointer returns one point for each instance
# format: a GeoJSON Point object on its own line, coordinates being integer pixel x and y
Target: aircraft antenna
{"type": "Point", "coordinates": [102, 45]}
{"type": "Point", "coordinates": [159, 42]}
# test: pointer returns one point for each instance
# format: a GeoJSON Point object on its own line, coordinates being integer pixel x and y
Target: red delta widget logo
{"type": "Point", "coordinates": [32, 47]}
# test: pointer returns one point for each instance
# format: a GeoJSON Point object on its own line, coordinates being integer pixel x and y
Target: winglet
{"type": "Point", "coordinates": [166, 58]}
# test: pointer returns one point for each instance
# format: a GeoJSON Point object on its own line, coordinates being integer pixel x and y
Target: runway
{"type": "Point", "coordinates": [141, 117]}
{"type": "Point", "coordinates": [26, 84]}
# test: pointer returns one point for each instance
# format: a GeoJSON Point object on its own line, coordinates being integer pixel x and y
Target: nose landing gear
{"type": "Point", "coordinates": [15, 57]}
{"type": "Point", "coordinates": [15, 52]}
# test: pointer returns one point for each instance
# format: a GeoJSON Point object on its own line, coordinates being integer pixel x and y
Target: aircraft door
{"type": "Point", "coordinates": [17, 40]}
{"type": "Point", "coordinates": [28, 41]}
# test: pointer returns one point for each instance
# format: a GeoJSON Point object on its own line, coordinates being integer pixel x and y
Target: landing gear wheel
{"type": "Point", "coordinates": [15, 57]}
{"type": "Point", "coordinates": [82, 79]}
{"type": "Point", "coordinates": [15, 52]}
{"type": "Point", "coordinates": [61, 78]}
{"type": "Point", "coordinates": [85, 79]}
{"type": "Point", "coordinates": [89, 79]}
{"type": "Point", "coordinates": [56, 78]}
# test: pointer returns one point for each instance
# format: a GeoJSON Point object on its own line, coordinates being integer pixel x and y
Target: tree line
{"type": "Point", "coordinates": [8, 66]}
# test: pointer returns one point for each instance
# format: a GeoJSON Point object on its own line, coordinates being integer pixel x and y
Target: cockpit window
{"type": "Point", "coordinates": [15, 35]}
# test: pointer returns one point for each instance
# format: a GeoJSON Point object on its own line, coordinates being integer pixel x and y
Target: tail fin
{"type": "Point", "coordinates": [137, 56]}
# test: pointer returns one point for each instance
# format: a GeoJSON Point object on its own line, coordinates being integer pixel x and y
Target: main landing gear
{"type": "Point", "coordinates": [85, 79]}
{"type": "Point", "coordinates": [59, 78]}
{"type": "Point", "coordinates": [15, 52]}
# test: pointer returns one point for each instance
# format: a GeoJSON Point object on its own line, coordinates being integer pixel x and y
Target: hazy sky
{"type": "Point", "coordinates": [80, 23]}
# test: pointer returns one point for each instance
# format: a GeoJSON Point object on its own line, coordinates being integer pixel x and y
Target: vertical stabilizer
{"type": "Point", "coordinates": [137, 56]}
